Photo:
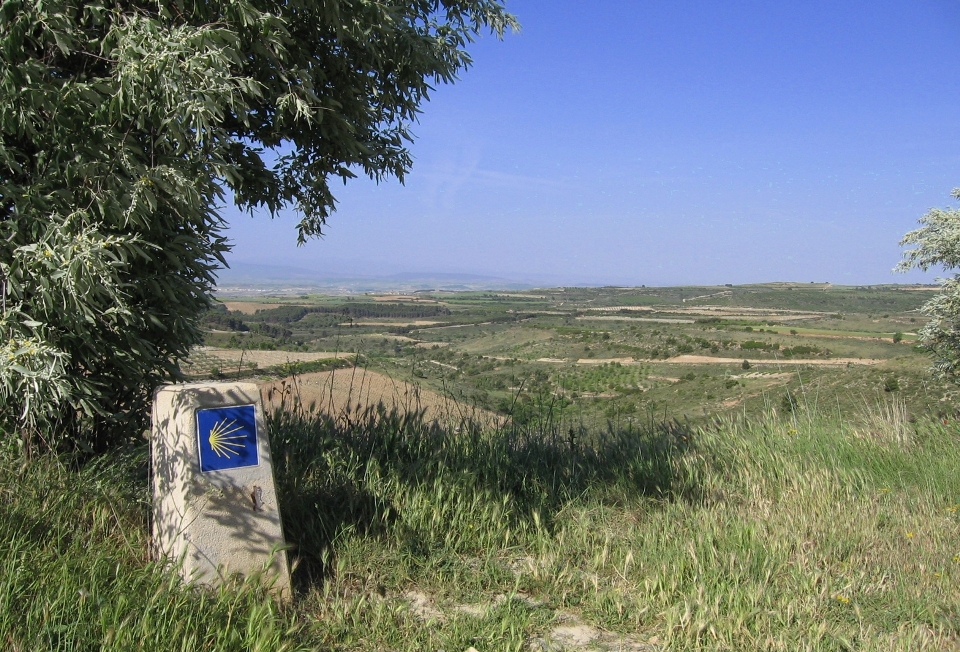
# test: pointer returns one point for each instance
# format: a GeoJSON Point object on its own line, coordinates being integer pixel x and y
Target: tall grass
{"type": "Point", "coordinates": [74, 573]}
{"type": "Point", "coordinates": [781, 533]}
{"type": "Point", "coordinates": [769, 533]}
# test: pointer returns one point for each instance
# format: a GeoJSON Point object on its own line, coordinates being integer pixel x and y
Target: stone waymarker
{"type": "Point", "coordinates": [214, 501]}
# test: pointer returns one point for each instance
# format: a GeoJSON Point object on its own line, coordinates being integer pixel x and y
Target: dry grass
{"type": "Point", "coordinates": [885, 421]}
{"type": "Point", "coordinates": [405, 298]}
{"type": "Point", "coordinates": [708, 359]}
{"type": "Point", "coordinates": [394, 322]}
{"type": "Point", "coordinates": [730, 312]}
{"type": "Point", "coordinates": [250, 307]}
{"type": "Point", "coordinates": [345, 392]}
{"type": "Point", "coordinates": [766, 534]}
{"type": "Point", "coordinates": [831, 362]}
{"type": "Point", "coordinates": [272, 358]}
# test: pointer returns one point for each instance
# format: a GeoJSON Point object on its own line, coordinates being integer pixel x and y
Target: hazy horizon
{"type": "Point", "coordinates": [261, 278]}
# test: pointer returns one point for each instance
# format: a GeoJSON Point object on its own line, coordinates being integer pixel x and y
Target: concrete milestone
{"type": "Point", "coordinates": [214, 501]}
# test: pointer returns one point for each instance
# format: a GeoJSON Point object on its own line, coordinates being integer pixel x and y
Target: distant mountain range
{"type": "Point", "coordinates": [251, 278]}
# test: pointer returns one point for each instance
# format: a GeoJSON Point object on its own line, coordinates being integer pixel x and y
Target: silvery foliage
{"type": "Point", "coordinates": [123, 126]}
{"type": "Point", "coordinates": [938, 245]}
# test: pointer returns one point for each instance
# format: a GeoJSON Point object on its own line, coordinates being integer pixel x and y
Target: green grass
{"type": "Point", "coordinates": [74, 572]}
{"type": "Point", "coordinates": [798, 531]}
{"type": "Point", "coordinates": [736, 537]}
{"type": "Point", "coordinates": [782, 330]}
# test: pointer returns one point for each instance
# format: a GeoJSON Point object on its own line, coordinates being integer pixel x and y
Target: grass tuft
{"type": "Point", "coordinates": [777, 532]}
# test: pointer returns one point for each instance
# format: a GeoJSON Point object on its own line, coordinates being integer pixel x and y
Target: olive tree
{"type": "Point", "coordinates": [125, 125]}
{"type": "Point", "coordinates": [938, 245]}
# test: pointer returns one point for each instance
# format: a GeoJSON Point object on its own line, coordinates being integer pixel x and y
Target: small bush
{"type": "Point", "coordinates": [788, 402]}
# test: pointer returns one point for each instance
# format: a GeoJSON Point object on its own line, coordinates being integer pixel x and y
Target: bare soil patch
{"type": "Point", "coordinates": [664, 378]}
{"type": "Point", "coordinates": [724, 293]}
{"type": "Point", "coordinates": [422, 606]}
{"type": "Point", "coordinates": [573, 634]}
{"type": "Point", "coordinates": [250, 307]}
{"type": "Point", "coordinates": [430, 345]}
{"type": "Point", "coordinates": [391, 336]}
{"type": "Point", "coordinates": [760, 375]}
{"type": "Point", "coordinates": [830, 362]}
{"type": "Point", "coordinates": [568, 633]}
{"type": "Point", "coordinates": [706, 359]}
{"type": "Point", "coordinates": [345, 392]}
{"type": "Point", "coordinates": [203, 359]}
{"type": "Point", "coordinates": [864, 338]}
{"type": "Point", "coordinates": [482, 323]}
{"type": "Point", "coordinates": [271, 358]}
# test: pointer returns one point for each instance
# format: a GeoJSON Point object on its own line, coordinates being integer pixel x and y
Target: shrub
{"type": "Point", "coordinates": [123, 125]}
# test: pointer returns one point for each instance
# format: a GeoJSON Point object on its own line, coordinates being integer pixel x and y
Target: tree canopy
{"type": "Point", "coordinates": [125, 125]}
{"type": "Point", "coordinates": [938, 245]}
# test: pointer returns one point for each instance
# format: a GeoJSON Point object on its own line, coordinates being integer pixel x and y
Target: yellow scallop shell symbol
{"type": "Point", "coordinates": [222, 440]}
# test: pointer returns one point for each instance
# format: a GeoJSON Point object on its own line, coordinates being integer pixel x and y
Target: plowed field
{"type": "Point", "coordinates": [346, 392]}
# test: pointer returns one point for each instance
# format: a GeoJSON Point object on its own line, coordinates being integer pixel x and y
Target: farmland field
{"type": "Point", "coordinates": [348, 392]}
{"type": "Point", "coordinates": [596, 355]}
{"type": "Point", "coordinates": [710, 468]}
{"type": "Point", "coordinates": [603, 469]}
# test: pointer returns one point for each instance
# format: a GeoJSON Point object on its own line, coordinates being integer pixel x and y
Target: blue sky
{"type": "Point", "coordinates": [665, 143]}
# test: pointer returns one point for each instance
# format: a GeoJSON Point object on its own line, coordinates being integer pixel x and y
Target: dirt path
{"type": "Point", "coordinates": [828, 362]}
{"type": "Point", "coordinates": [879, 337]}
{"type": "Point", "coordinates": [760, 314]}
{"type": "Point", "coordinates": [706, 359]}
{"type": "Point", "coordinates": [654, 320]}
{"type": "Point", "coordinates": [417, 322]}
